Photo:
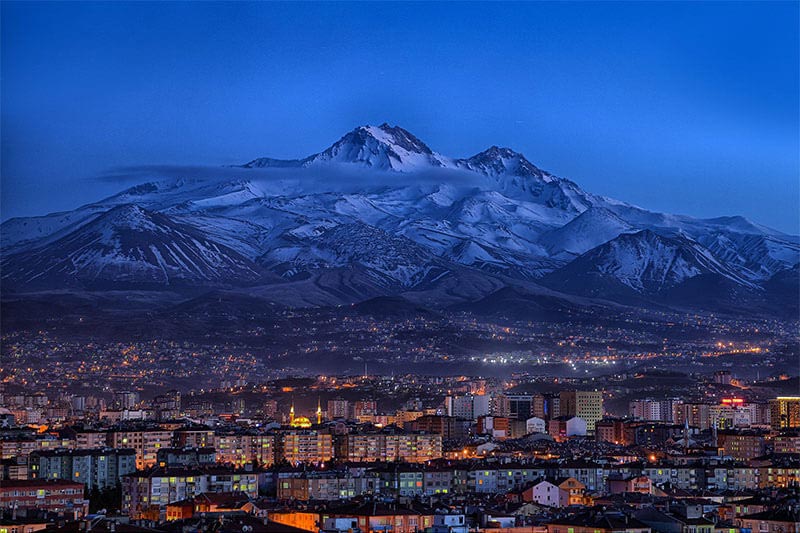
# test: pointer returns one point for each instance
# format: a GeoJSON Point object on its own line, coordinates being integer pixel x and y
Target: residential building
{"type": "Point", "coordinates": [145, 442]}
{"type": "Point", "coordinates": [55, 495]}
{"type": "Point", "coordinates": [146, 493]}
{"type": "Point", "coordinates": [101, 468]}
{"type": "Point", "coordinates": [784, 412]}
{"type": "Point", "coordinates": [305, 446]}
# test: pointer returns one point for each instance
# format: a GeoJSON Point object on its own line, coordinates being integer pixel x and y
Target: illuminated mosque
{"type": "Point", "coordinates": [302, 421]}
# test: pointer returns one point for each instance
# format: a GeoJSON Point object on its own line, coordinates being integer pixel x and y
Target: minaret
{"type": "Point", "coordinates": [319, 411]}
{"type": "Point", "coordinates": [686, 434]}
{"type": "Point", "coordinates": [291, 414]}
{"type": "Point", "coordinates": [714, 432]}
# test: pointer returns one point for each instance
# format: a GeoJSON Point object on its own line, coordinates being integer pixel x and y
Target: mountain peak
{"type": "Point", "coordinates": [649, 237]}
{"type": "Point", "coordinates": [395, 136]}
{"type": "Point", "coordinates": [381, 147]}
{"type": "Point", "coordinates": [128, 215]}
{"type": "Point", "coordinates": [387, 147]}
{"type": "Point", "coordinates": [498, 160]}
{"type": "Point", "coordinates": [127, 209]}
{"type": "Point", "coordinates": [666, 237]}
{"type": "Point", "coordinates": [501, 151]}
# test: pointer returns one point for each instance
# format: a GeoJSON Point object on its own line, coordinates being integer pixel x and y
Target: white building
{"type": "Point", "coordinates": [576, 427]}
{"type": "Point", "coordinates": [449, 523]}
{"type": "Point", "coordinates": [546, 493]}
{"type": "Point", "coordinates": [535, 425]}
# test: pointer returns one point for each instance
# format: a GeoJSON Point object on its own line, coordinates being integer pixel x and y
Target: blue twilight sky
{"type": "Point", "coordinates": [689, 108]}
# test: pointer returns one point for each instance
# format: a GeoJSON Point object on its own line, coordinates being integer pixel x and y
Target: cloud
{"type": "Point", "coordinates": [328, 178]}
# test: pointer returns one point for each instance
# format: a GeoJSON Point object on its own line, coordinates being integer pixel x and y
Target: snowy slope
{"type": "Point", "coordinates": [129, 246]}
{"type": "Point", "coordinates": [26, 232]}
{"type": "Point", "coordinates": [645, 262]}
{"type": "Point", "coordinates": [759, 257]}
{"type": "Point", "coordinates": [591, 228]}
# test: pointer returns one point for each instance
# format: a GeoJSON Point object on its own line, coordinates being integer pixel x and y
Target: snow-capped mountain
{"type": "Point", "coordinates": [645, 263]}
{"type": "Point", "coordinates": [377, 213]}
{"type": "Point", "coordinates": [128, 246]}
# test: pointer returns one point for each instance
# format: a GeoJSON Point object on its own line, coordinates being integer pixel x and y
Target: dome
{"type": "Point", "coordinates": [301, 422]}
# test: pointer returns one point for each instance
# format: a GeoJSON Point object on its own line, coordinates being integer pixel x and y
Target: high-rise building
{"type": "Point", "coordinates": [538, 408]}
{"type": "Point", "coordinates": [145, 442]}
{"type": "Point", "coordinates": [668, 409]}
{"type": "Point", "coordinates": [167, 406]}
{"type": "Point", "coordinates": [733, 412]}
{"type": "Point", "coordinates": [365, 408]}
{"type": "Point", "coordinates": [480, 405]}
{"type": "Point", "coordinates": [194, 437]}
{"type": "Point", "coordinates": [404, 416]}
{"type": "Point", "coordinates": [448, 427]}
{"type": "Point", "coordinates": [653, 410]}
{"type": "Point", "coordinates": [520, 406]}
{"type": "Point", "coordinates": [468, 407]}
{"type": "Point", "coordinates": [338, 408]}
{"type": "Point", "coordinates": [787, 443]}
{"type": "Point", "coordinates": [723, 377]}
{"type": "Point", "coordinates": [88, 439]}
{"type": "Point", "coordinates": [587, 405]}
{"type": "Point", "coordinates": [696, 414]}
{"type": "Point", "coordinates": [784, 412]}
{"type": "Point", "coordinates": [459, 407]}
{"type": "Point", "coordinates": [305, 446]}
{"type": "Point", "coordinates": [500, 406]}
{"type": "Point", "coordinates": [269, 408]}
{"type": "Point", "coordinates": [761, 414]}
{"type": "Point", "coordinates": [126, 399]}
{"type": "Point", "coordinates": [646, 409]}
{"type": "Point", "coordinates": [611, 430]}
{"type": "Point", "coordinates": [546, 406]}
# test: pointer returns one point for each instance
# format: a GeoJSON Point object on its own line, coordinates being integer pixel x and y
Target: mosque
{"type": "Point", "coordinates": [302, 421]}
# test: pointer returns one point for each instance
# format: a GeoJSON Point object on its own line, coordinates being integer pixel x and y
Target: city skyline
{"type": "Point", "coordinates": [399, 267]}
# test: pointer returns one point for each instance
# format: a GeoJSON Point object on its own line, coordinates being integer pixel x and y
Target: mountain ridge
{"type": "Point", "coordinates": [494, 215]}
